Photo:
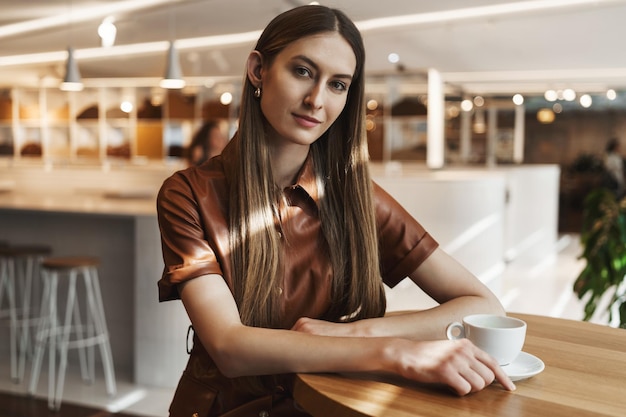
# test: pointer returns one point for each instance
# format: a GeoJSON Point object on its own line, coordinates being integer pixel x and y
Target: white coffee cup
{"type": "Point", "coordinates": [500, 336]}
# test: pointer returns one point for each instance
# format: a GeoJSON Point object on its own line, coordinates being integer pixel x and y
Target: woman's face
{"type": "Point", "coordinates": [306, 87]}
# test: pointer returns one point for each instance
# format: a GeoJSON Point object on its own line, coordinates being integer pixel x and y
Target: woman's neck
{"type": "Point", "coordinates": [287, 162]}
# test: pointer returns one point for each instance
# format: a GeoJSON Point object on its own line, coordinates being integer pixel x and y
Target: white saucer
{"type": "Point", "coordinates": [524, 366]}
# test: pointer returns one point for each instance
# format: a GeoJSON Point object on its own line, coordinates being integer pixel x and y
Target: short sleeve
{"type": "Point", "coordinates": [403, 243]}
{"type": "Point", "coordinates": [186, 252]}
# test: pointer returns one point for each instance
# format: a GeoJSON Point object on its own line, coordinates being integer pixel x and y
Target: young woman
{"type": "Point", "coordinates": [280, 246]}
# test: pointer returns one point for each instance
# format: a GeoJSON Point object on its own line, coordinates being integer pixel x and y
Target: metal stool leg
{"type": "Point", "coordinates": [64, 342]}
{"type": "Point", "coordinates": [10, 288]}
{"type": "Point", "coordinates": [86, 365]}
{"type": "Point", "coordinates": [73, 332]}
{"type": "Point", "coordinates": [42, 335]}
{"type": "Point", "coordinates": [27, 320]}
{"type": "Point", "coordinates": [52, 340]}
{"type": "Point", "coordinates": [96, 305]}
{"type": "Point", "coordinates": [17, 275]}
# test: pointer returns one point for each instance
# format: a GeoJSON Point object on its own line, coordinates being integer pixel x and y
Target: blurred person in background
{"type": "Point", "coordinates": [206, 143]}
{"type": "Point", "coordinates": [614, 165]}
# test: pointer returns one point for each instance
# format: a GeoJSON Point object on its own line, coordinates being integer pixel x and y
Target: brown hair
{"type": "Point", "coordinates": [341, 165]}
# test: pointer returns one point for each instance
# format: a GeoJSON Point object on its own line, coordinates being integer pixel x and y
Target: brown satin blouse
{"type": "Point", "coordinates": [193, 219]}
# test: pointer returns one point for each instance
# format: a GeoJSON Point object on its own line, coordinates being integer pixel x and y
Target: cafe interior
{"type": "Point", "coordinates": [498, 111]}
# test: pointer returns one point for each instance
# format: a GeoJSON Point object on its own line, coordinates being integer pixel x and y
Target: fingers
{"type": "Point", "coordinates": [472, 377]}
{"type": "Point", "coordinates": [475, 370]}
{"type": "Point", "coordinates": [504, 380]}
{"type": "Point", "coordinates": [496, 370]}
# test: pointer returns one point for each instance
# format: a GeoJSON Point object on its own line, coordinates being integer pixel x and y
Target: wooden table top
{"type": "Point", "coordinates": [584, 375]}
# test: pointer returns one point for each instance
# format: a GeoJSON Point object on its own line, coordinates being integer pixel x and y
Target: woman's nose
{"type": "Point", "coordinates": [315, 97]}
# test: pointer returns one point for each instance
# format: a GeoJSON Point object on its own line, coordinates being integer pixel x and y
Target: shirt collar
{"type": "Point", "coordinates": [305, 180]}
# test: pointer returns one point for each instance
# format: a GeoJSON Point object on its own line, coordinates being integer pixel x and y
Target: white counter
{"type": "Point", "coordinates": [484, 218]}
{"type": "Point", "coordinates": [110, 214]}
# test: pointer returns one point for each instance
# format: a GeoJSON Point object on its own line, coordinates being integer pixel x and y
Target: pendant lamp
{"type": "Point", "coordinates": [72, 80]}
{"type": "Point", "coordinates": [173, 75]}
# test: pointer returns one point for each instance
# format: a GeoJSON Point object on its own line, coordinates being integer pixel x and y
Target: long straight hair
{"type": "Point", "coordinates": [340, 159]}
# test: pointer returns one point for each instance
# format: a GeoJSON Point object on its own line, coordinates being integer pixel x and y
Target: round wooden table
{"type": "Point", "coordinates": [584, 375]}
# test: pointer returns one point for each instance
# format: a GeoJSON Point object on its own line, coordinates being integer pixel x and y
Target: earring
{"type": "Point", "coordinates": [257, 92]}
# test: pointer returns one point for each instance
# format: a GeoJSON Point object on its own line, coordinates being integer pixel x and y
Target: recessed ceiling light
{"type": "Point", "coordinates": [585, 100]}
{"type": "Point", "coordinates": [611, 94]}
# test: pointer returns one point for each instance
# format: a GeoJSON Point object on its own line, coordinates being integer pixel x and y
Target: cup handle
{"type": "Point", "coordinates": [455, 327]}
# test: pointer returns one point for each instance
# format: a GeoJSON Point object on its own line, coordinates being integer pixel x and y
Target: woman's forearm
{"type": "Point", "coordinates": [427, 324]}
{"type": "Point", "coordinates": [240, 350]}
{"type": "Point", "coordinates": [258, 351]}
{"type": "Point", "coordinates": [418, 324]}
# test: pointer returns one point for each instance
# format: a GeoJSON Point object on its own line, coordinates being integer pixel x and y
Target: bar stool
{"type": "Point", "coordinates": [71, 333]}
{"type": "Point", "coordinates": [19, 280]}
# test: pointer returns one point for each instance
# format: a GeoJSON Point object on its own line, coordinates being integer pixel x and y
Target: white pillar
{"type": "Point", "coordinates": [518, 134]}
{"type": "Point", "coordinates": [466, 135]}
{"type": "Point", "coordinates": [492, 135]}
{"type": "Point", "coordinates": [435, 121]}
{"type": "Point", "coordinates": [389, 131]}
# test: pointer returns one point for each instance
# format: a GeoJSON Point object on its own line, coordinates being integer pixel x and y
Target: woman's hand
{"type": "Point", "coordinates": [458, 364]}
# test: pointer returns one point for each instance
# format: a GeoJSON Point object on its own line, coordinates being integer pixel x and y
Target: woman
{"type": "Point", "coordinates": [279, 247]}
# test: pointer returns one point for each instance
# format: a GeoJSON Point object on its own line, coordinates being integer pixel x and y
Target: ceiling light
{"type": "Point", "coordinates": [173, 75]}
{"type": "Point", "coordinates": [83, 14]}
{"type": "Point", "coordinates": [611, 94]}
{"type": "Point", "coordinates": [479, 122]}
{"type": "Point", "coordinates": [393, 58]}
{"type": "Point", "coordinates": [569, 94]}
{"type": "Point", "coordinates": [585, 100]}
{"type": "Point", "coordinates": [126, 106]}
{"type": "Point", "coordinates": [226, 98]}
{"type": "Point", "coordinates": [72, 80]}
{"type": "Point", "coordinates": [518, 99]}
{"type": "Point", "coordinates": [447, 16]}
{"type": "Point", "coordinates": [467, 105]}
{"type": "Point", "coordinates": [545, 116]}
{"type": "Point", "coordinates": [107, 32]}
{"type": "Point", "coordinates": [550, 95]}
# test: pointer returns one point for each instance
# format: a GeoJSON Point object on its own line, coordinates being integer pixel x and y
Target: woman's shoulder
{"type": "Point", "coordinates": [381, 198]}
{"type": "Point", "coordinates": [197, 179]}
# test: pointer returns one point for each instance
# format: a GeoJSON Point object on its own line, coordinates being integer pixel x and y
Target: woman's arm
{"type": "Point", "coordinates": [457, 290]}
{"type": "Point", "coordinates": [240, 350]}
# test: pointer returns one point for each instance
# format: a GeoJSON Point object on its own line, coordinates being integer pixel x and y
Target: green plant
{"type": "Point", "coordinates": [603, 237]}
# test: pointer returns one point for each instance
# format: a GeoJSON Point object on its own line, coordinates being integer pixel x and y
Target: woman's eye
{"type": "Point", "coordinates": [339, 86]}
{"type": "Point", "coordinates": [303, 71]}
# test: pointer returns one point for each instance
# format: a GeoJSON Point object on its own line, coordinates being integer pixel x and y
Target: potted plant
{"type": "Point", "coordinates": [603, 237]}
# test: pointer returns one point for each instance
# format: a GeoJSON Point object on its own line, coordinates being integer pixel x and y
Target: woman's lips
{"type": "Point", "coordinates": [306, 121]}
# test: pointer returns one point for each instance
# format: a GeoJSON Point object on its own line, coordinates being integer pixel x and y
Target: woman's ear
{"type": "Point", "coordinates": [255, 68]}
